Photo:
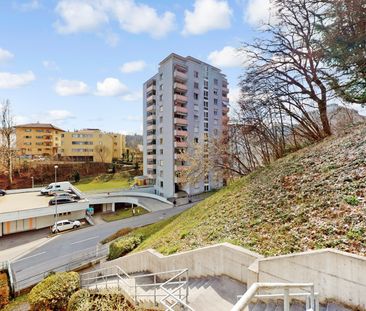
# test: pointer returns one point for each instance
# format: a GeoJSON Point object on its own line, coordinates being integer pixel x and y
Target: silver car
{"type": "Point", "coordinates": [64, 225]}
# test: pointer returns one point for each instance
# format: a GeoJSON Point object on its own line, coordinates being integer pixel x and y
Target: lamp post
{"type": "Point", "coordinates": [32, 181]}
{"type": "Point", "coordinates": [56, 167]}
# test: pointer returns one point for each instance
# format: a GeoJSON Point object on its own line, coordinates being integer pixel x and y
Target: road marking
{"type": "Point", "coordinates": [25, 258]}
{"type": "Point", "coordinates": [94, 237]}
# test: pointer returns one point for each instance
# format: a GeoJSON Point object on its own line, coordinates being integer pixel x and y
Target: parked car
{"type": "Point", "coordinates": [70, 195]}
{"type": "Point", "coordinates": [56, 187]}
{"type": "Point", "coordinates": [63, 225]}
{"type": "Point", "coordinates": [62, 200]}
{"type": "Point", "coordinates": [2, 192]}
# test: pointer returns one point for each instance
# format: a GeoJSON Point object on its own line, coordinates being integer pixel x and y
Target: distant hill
{"type": "Point", "coordinates": [132, 141]}
{"type": "Point", "coordinates": [311, 199]}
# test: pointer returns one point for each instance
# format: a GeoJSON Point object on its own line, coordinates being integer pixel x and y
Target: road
{"type": "Point", "coordinates": [61, 249]}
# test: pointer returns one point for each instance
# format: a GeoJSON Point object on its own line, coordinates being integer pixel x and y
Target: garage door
{"type": "Point", "coordinates": [19, 225]}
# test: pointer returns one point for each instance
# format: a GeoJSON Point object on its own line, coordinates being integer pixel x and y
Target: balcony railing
{"type": "Point", "coordinates": [150, 98]}
{"type": "Point", "coordinates": [151, 117]}
{"type": "Point", "coordinates": [180, 76]}
{"type": "Point", "coordinates": [225, 109]}
{"type": "Point", "coordinates": [151, 127]}
{"type": "Point", "coordinates": [180, 144]}
{"type": "Point", "coordinates": [151, 147]}
{"type": "Point", "coordinates": [151, 156]}
{"type": "Point", "coordinates": [183, 133]}
{"type": "Point", "coordinates": [180, 98]}
{"type": "Point", "coordinates": [151, 108]}
{"type": "Point", "coordinates": [180, 109]}
{"type": "Point", "coordinates": [180, 168]}
{"type": "Point", "coordinates": [180, 87]}
{"type": "Point", "coordinates": [151, 88]}
{"type": "Point", "coordinates": [180, 121]}
{"type": "Point", "coordinates": [225, 89]}
{"type": "Point", "coordinates": [151, 166]}
{"type": "Point", "coordinates": [225, 98]}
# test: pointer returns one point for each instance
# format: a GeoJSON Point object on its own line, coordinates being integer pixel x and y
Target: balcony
{"type": "Point", "coordinates": [151, 157]}
{"type": "Point", "coordinates": [151, 127]}
{"type": "Point", "coordinates": [180, 121]}
{"type": "Point", "coordinates": [150, 99]}
{"type": "Point", "coordinates": [225, 89]}
{"type": "Point", "coordinates": [151, 166]}
{"type": "Point", "coordinates": [180, 109]}
{"type": "Point", "coordinates": [151, 117]}
{"type": "Point", "coordinates": [180, 144]}
{"type": "Point", "coordinates": [180, 98]}
{"type": "Point", "coordinates": [225, 99]}
{"type": "Point", "coordinates": [151, 108]}
{"type": "Point", "coordinates": [150, 135]}
{"type": "Point", "coordinates": [181, 133]}
{"type": "Point", "coordinates": [180, 87]}
{"type": "Point", "coordinates": [180, 76]}
{"type": "Point", "coordinates": [180, 168]}
{"type": "Point", "coordinates": [151, 147]}
{"type": "Point", "coordinates": [151, 88]}
{"type": "Point", "coordinates": [225, 109]}
{"type": "Point", "coordinates": [178, 180]}
{"type": "Point", "coordinates": [225, 119]}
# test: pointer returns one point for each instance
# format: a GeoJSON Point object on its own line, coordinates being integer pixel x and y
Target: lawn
{"type": "Point", "coordinates": [104, 182]}
{"type": "Point", "coordinates": [123, 213]}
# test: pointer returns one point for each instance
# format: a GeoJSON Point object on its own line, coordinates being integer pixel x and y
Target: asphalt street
{"type": "Point", "coordinates": [61, 249]}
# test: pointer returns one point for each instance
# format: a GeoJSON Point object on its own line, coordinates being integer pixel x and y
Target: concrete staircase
{"type": "Point", "coordinates": [277, 305]}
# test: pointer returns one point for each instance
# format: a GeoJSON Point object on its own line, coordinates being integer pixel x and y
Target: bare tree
{"type": "Point", "coordinates": [102, 151]}
{"type": "Point", "coordinates": [7, 133]}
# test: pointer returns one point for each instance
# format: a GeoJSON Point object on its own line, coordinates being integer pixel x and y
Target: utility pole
{"type": "Point", "coordinates": [56, 167]}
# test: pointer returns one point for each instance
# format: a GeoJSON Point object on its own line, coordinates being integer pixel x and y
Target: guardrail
{"type": "Point", "coordinates": [311, 298]}
{"type": "Point", "coordinates": [75, 262]}
{"type": "Point", "coordinates": [173, 292]}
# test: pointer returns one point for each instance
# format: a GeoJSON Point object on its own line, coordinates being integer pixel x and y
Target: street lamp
{"type": "Point", "coordinates": [56, 167]}
{"type": "Point", "coordinates": [32, 181]}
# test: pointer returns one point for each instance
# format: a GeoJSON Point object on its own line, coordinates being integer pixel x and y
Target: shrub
{"type": "Point", "coordinates": [54, 292]}
{"type": "Point", "coordinates": [4, 290]}
{"type": "Point", "coordinates": [79, 301]}
{"type": "Point", "coordinates": [116, 235]}
{"type": "Point", "coordinates": [124, 245]}
{"type": "Point", "coordinates": [76, 176]}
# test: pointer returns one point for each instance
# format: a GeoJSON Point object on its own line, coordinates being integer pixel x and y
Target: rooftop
{"type": "Point", "coordinates": [39, 125]}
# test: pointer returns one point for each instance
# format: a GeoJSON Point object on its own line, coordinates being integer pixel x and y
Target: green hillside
{"type": "Point", "coordinates": [311, 199]}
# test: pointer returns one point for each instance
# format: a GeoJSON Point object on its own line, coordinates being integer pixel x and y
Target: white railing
{"type": "Point", "coordinates": [170, 293]}
{"type": "Point", "coordinates": [307, 293]}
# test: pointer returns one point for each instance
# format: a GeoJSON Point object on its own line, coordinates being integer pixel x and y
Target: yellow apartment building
{"type": "Point", "coordinates": [38, 139]}
{"type": "Point", "coordinates": [92, 145]}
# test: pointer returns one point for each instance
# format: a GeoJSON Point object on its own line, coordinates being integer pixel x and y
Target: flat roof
{"type": "Point", "coordinates": [40, 125]}
{"type": "Point", "coordinates": [22, 201]}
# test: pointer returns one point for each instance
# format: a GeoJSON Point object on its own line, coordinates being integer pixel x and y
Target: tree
{"type": "Point", "coordinates": [7, 136]}
{"type": "Point", "coordinates": [102, 152]}
{"type": "Point", "coordinates": [285, 60]}
{"type": "Point", "coordinates": [342, 25]}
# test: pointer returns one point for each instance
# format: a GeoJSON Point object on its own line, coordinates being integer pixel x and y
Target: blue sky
{"type": "Point", "coordinates": [82, 63]}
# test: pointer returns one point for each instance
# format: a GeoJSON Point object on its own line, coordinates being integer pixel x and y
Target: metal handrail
{"type": "Point", "coordinates": [251, 293]}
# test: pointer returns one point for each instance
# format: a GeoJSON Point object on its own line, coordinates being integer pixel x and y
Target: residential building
{"type": "Point", "coordinates": [92, 145]}
{"type": "Point", "coordinates": [38, 139]}
{"type": "Point", "coordinates": [184, 103]}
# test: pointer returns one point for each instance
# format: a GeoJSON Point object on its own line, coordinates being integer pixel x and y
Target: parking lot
{"type": "Point", "coordinates": [22, 201]}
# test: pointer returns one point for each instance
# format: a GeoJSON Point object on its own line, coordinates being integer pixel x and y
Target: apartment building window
{"type": "Point", "coordinates": [196, 129]}
{"type": "Point", "coordinates": [161, 141]}
{"type": "Point", "coordinates": [216, 101]}
{"type": "Point", "coordinates": [216, 91]}
{"type": "Point", "coordinates": [216, 122]}
{"type": "Point", "coordinates": [161, 162]}
{"type": "Point", "coordinates": [216, 112]}
{"type": "Point", "coordinates": [196, 107]}
{"type": "Point", "coordinates": [161, 184]}
{"type": "Point", "coordinates": [205, 115]}
{"type": "Point", "coordinates": [161, 151]}
{"type": "Point", "coordinates": [39, 137]}
{"type": "Point", "coordinates": [161, 87]}
{"type": "Point", "coordinates": [196, 74]}
{"type": "Point", "coordinates": [27, 137]}
{"type": "Point", "coordinates": [196, 85]}
{"type": "Point", "coordinates": [28, 143]}
{"type": "Point", "coordinates": [205, 94]}
{"type": "Point", "coordinates": [161, 130]}
{"type": "Point", "coordinates": [161, 119]}
{"type": "Point", "coordinates": [27, 130]}
{"type": "Point", "coordinates": [161, 174]}
{"type": "Point", "coordinates": [161, 97]}
{"type": "Point", "coordinates": [196, 140]}
{"type": "Point", "coordinates": [161, 109]}
{"type": "Point", "coordinates": [161, 76]}
{"type": "Point", "coordinates": [196, 116]}
{"type": "Point", "coordinates": [207, 188]}
{"type": "Point", "coordinates": [195, 96]}
{"type": "Point", "coordinates": [216, 82]}
{"type": "Point", "coordinates": [216, 132]}
{"type": "Point", "coordinates": [39, 131]}
{"type": "Point", "coordinates": [205, 84]}
{"type": "Point", "coordinates": [205, 104]}
{"type": "Point", "coordinates": [205, 126]}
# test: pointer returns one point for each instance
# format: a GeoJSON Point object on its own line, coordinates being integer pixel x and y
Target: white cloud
{"type": "Point", "coordinates": [5, 55]}
{"type": "Point", "coordinates": [59, 115]}
{"type": "Point", "coordinates": [132, 97]}
{"type": "Point", "coordinates": [133, 66]}
{"type": "Point", "coordinates": [78, 16]}
{"type": "Point", "coordinates": [14, 80]}
{"type": "Point", "coordinates": [227, 57]}
{"type": "Point", "coordinates": [259, 12]}
{"type": "Point", "coordinates": [207, 15]}
{"type": "Point", "coordinates": [28, 6]}
{"type": "Point", "coordinates": [88, 15]}
{"type": "Point", "coordinates": [71, 87]}
{"type": "Point", "coordinates": [49, 64]}
{"type": "Point", "coordinates": [111, 87]}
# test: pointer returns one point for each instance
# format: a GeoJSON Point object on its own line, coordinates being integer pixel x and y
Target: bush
{"type": "Point", "coordinates": [4, 290]}
{"type": "Point", "coordinates": [76, 176]}
{"type": "Point", "coordinates": [352, 200]}
{"type": "Point", "coordinates": [79, 301]}
{"type": "Point", "coordinates": [54, 292]}
{"type": "Point", "coordinates": [116, 235]}
{"type": "Point", "coordinates": [124, 245]}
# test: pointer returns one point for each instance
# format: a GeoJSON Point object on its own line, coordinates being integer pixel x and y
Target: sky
{"type": "Point", "coordinates": [81, 63]}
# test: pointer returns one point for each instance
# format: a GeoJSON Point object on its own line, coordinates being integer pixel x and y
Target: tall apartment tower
{"type": "Point", "coordinates": [184, 103]}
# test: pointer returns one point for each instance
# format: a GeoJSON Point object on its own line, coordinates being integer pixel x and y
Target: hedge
{"type": "Point", "coordinates": [4, 290]}
{"type": "Point", "coordinates": [54, 292]}
{"type": "Point", "coordinates": [124, 245]}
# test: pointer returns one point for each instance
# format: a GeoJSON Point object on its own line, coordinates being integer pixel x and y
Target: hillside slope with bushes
{"type": "Point", "coordinates": [311, 199]}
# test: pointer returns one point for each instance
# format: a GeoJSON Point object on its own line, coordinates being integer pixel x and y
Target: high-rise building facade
{"type": "Point", "coordinates": [184, 103]}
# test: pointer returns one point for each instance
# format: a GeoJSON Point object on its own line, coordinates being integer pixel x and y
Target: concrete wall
{"type": "Point", "coordinates": [336, 275]}
{"type": "Point", "coordinates": [219, 259]}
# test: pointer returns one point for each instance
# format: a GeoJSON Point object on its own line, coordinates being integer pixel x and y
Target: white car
{"type": "Point", "coordinates": [63, 225]}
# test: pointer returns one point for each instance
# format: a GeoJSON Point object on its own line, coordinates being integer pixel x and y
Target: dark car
{"type": "Point", "coordinates": [2, 192]}
{"type": "Point", "coordinates": [64, 200]}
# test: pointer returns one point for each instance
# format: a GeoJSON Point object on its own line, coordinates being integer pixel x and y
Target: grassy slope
{"type": "Point", "coordinates": [297, 203]}
{"type": "Point", "coordinates": [104, 182]}
{"type": "Point", "coordinates": [123, 213]}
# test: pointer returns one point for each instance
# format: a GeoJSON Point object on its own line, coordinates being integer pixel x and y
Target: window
{"type": "Point", "coordinates": [216, 82]}
{"type": "Point", "coordinates": [195, 96]}
{"type": "Point", "coordinates": [161, 97]}
{"type": "Point", "coordinates": [216, 91]}
{"type": "Point", "coordinates": [27, 130]}
{"type": "Point", "coordinates": [27, 137]}
{"type": "Point", "coordinates": [161, 130]}
{"type": "Point", "coordinates": [161, 151]}
{"type": "Point", "coordinates": [216, 122]}
{"type": "Point", "coordinates": [196, 129]}
{"type": "Point", "coordinates": [205, 94]}
{"type": "Point", "coordinates": [161, 76]}
{"type": "Point", "coordinates": [161, 173]}
{"type": "Point", "coordinates": [205, 84]}
{"type": "Point", "coordinates": [161, 108]}
{"type": "Point", "coordinates": [196, 85]}
{"type": "Point", "coordinates": [216, 132]}
{"type": "Point", "coordinates": [205, 115]}
{"type": "Point", "coordinates": [216, 101]}
{"type": "Point", "coordinates": [196, 116]}
{"type": "Point", "coordinates": [161, 141]}
{"type": "Point", "coordinates": [161, 87]}
{"type": "Point", "coordinates": [161, 119]}
{"type": "Point", "coordinates": [161, 162]}
{"type": "Point", "coordinates": [205, 104]}
{"type": "Point", "coordinates": [205, 126]}
{"type": "Point", "coordinates": [216, 112]}
{"type": "Point", "coordinates": [196, 140]}
{"type": "Point", "coordinates": [39, 137]}
{"type": "Point", "coordinates": [196, 74]}
{"type": "Point", "coordinates": [161, 184]}
{"type": "Point", "coordinates": [207, 188]}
